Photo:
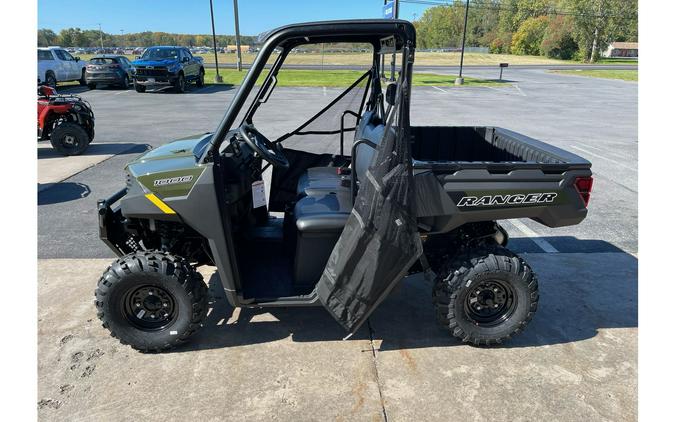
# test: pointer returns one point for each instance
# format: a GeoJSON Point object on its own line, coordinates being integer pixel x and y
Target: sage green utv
{"type": "Point", "coordinates": [337, 228]}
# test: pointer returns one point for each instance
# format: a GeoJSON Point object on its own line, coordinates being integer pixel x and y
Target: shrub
{"type": "Point", "coordinates": [558, 41]}
{"type": "Point", "coordinates": [529, 36]}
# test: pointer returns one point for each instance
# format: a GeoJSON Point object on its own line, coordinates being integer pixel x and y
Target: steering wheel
{"type": "Point", "coordinates": [263, 146]}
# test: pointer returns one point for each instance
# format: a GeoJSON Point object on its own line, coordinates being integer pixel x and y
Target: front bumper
{"type": "Point", "coordinates": [155, 80]}
{"type": "Point", "coordinates": [110, 224]}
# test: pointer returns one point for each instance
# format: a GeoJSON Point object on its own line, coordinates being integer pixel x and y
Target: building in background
{"type": "Point", "coordinates": [621, 49]}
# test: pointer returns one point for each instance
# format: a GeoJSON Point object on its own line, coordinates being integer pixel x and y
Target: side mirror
{"type": "Point", "coordinates": [390, 95]}
{"type": "Point", "coordinates": [185, 59]}
{"type": "Point", "coordinates": [77, 59]}
{"type": "Point", "coordinates": [138, 57]}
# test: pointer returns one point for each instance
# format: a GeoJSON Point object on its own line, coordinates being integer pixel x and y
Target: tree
{"type": "Point", "coordinates": [528, 37]}
{"type": "Point", "coordinates": [514, 12]}
{"type": "Point", "coordinates": [46, 37]}
{"type": "Point", "coordinates": [599, 22]}
{"type": "Point", "coordinates": [558, 41]}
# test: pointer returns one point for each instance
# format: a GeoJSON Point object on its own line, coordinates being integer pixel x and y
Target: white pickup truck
{"type": "Point", "coordinates": [56, 64]}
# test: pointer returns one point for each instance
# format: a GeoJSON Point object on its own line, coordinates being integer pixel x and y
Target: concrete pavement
{"type": "Point", "coordinates": [577, 360]}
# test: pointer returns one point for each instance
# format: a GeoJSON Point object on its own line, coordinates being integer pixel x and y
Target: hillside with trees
{"type": "Point", "coordinates": [76, 37]}
{"type": "Point", "coordinates": [558, 29]}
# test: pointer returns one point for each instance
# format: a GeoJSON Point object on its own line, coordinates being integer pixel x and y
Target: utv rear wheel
{"type": "Point", "coordinates": [139, 87]}
{"type": "Point", "coordinates": [69, 138]}
{"type": "Point", "coordinates": [485, 296]}
{"type": "Point", "coordinates": [152, 301]}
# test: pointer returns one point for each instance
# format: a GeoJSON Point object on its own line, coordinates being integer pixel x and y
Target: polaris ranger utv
{"type": "Point", "coordinates": [339, 229]}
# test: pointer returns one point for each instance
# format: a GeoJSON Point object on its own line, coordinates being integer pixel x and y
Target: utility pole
{"type": "Point", "coordinates": [236, 34]}
{"type": "Point", "coordinates": [393, 56]}
{"type": "Point", "coordinates": [215, 47]}
{"type": "Point", "coordinates": [100, 34]}
{"type": "Point", "coordinates": [460, 80]}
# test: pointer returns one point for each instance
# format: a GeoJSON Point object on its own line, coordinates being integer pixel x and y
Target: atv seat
{"type": "Point", "coordinates": [322, 180]}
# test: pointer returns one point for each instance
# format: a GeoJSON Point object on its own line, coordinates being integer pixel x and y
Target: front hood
{"type": "Point", "coordinates": [163, 62]}
{"type": "Point", "coordinates": [171, 168]}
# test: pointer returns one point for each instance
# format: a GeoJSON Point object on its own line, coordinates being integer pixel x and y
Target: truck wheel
{"type": "Point", "coordinates": [486, 295]}
{"type": "Point", "coordinates": [125, 83]}
{"type": "Point", "coordinates": [69, 138]}
{"type": "Point", "coordinates": [50, 79]}
{"type": "Point", "coordinates": [179, 85]}
{"type": "Point", "coordinates": [152, 301]}
{"type": "Point", "coordinates": [139, 87]}
{"type": "Point", "coordinates": [200, 78]}
{"type": "Point", "coordinates": [83, 80]}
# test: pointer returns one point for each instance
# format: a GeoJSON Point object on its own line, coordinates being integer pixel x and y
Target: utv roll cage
{"type": "Point", "coordinates": [286, 38]}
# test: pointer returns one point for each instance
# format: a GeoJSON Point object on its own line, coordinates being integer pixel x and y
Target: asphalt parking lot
{"type": "Point", "coordinates": [577, 360]}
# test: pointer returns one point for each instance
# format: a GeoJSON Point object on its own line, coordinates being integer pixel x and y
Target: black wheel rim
{"type": "Point", "coordinates": [71, 142]}
{"type": "Point", "coordinates": [490, 302]}
{"type": "Point", "coordinates": [149, 308]}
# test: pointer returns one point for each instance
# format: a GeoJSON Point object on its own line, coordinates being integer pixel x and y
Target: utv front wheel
{"type": "Point", "coordinates": [152, 301]}
{"type": "Point", "coordinates": [485, 296]}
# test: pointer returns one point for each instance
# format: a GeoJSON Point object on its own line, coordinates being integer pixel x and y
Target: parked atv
{"type": "Point", "coordinates": [67, 121]}
{"type": "Point", "coordinates": [400, 200]}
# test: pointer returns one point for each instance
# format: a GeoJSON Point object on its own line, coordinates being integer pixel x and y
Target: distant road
{"type": "Point", "coordinates": [431, 68]}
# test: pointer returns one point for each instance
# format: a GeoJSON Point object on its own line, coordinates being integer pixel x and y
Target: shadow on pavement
{"type": "Point", "coordinates": [580, 294]}
{"type": "Point", "coordinates": [63, 192]}
{"type": "Point", "coordinates": [71, 89]}
{"type": "Point", "coordinates": [45, 150]}
{"type": "Point", "coordinates": [191, 89]}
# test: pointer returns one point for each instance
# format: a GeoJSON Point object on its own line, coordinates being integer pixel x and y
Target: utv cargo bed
{"type": "Point", "coordinates": [489, 173]}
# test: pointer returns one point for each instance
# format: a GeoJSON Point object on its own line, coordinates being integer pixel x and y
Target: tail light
{"type": "Point", "coordinates": [584, 186]}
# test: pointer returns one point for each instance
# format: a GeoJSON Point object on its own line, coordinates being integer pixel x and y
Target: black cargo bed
{"type": "Point", "coordinates": [496, 149]}
{"type": "Point", "coordinates": [471, 174]}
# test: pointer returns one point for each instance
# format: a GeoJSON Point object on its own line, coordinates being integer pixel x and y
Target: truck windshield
{"type": "Point", "coordinates": [160, 53]}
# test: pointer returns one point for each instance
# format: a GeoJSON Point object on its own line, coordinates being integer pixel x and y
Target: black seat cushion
{"type": "Point", "coordinates": [321, 180]}
{"type": "Point", "coordinates": [319, 220]}
{"type": "Point", "coordinates": [327, 212]}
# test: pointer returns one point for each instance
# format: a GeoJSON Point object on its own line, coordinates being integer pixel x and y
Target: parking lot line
{"type": "Point", "coordinates": [440, 89]}
{"type": "Point", "coordinates": [542, 243]}
{"type": "Point", "coordinates": [603, 157]}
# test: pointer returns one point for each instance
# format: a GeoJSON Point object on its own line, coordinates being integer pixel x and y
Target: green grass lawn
{"type": "Point", "coordinates": [625, 75]}
{"type": "Point", "coordinates": [617, 61]}
{"type": "Point", "coordinates": [341, 78]}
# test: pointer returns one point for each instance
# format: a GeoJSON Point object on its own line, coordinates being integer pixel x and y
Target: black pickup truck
{"type": "Point", "coordinates": [396, 200]}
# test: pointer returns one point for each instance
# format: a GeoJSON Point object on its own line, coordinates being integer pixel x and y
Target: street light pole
{"type": "Point", "coordinates": [460, 80]}
{"type": "Point", "coordinates": [100, 34]}
{"type": "Point", "coordinates": [236, 34]}
{"type": "Point", "coordinates": [215, 47]}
